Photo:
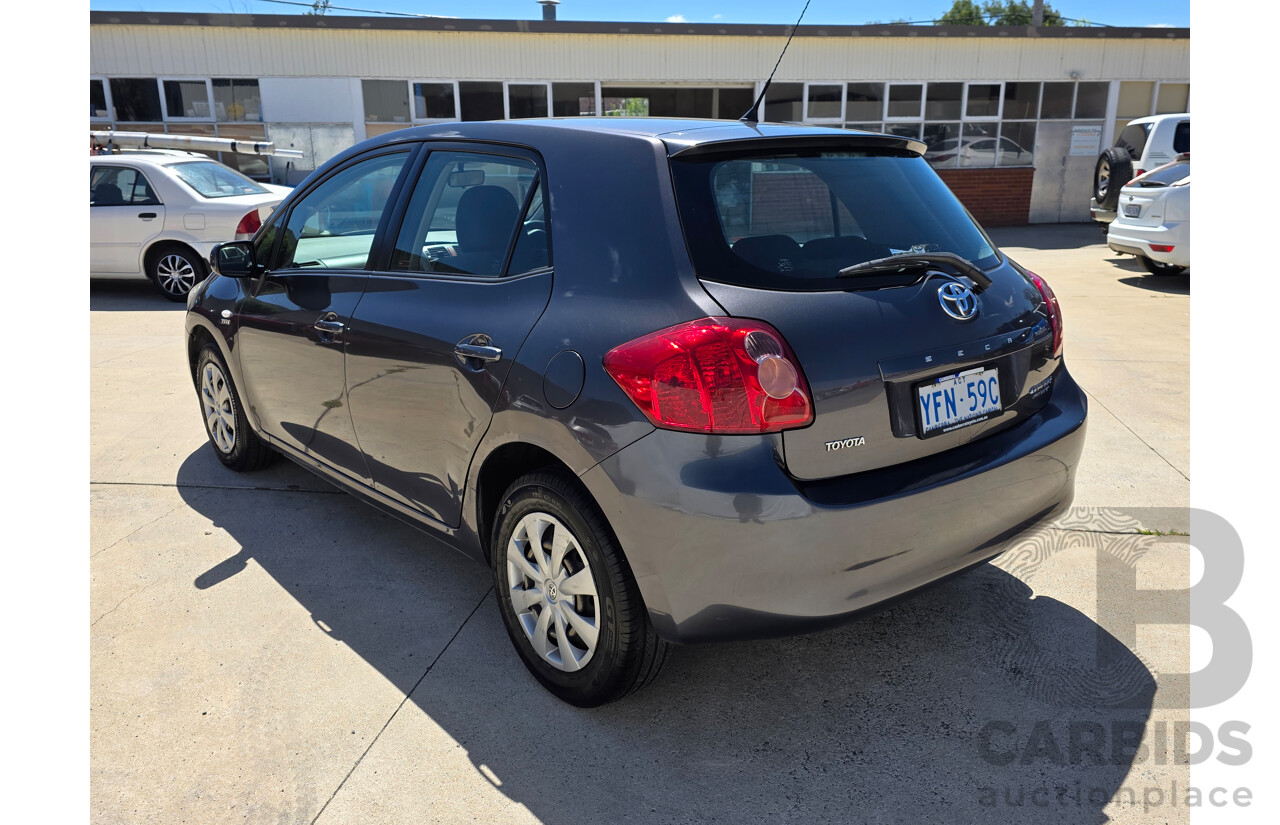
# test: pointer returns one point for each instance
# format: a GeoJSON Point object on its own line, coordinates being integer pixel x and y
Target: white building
{"type": "Point", "coordinates": [1014, 117]}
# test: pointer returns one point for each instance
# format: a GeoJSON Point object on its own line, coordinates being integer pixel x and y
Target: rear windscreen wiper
{"type": "Point", "coordinates": [918, 260]}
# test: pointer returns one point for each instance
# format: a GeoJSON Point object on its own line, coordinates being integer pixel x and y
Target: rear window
{"type": "Point", "coordinates": [794, 221]}
{"type": "Point", "coordinates": [1182, 137]}
{"type": "Point", "coordinates": [213, 180]}
{"type": "Point", "coordinates": [1171, 174]}
{"type": "Point", "coordinates": [1134, 138]}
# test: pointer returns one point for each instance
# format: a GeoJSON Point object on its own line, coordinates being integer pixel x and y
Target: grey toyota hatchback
{"type": "Point", "coordinates": [672, 380]}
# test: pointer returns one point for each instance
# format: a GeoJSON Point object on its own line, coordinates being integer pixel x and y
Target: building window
{"type": "Point", "coordinates": [864, 103]}
{"type": "Point", "coordinates": [573, 99]}
{"type": "Point", "coordinates": [186, 100]}
{"type": "Point", "coordinates": [1021, 101]}
{"type": "Point", "coordinates": [236, 100]}
{"type": "Point", "coordinates": [136, 99]}
{"type": "Point", "coordinates": [784, 102]}
{"type": "Point", "coordinates": [943, 101]}
{"type": "Point", "coordinates": [435, 101]}
{"type": "Point", "coordinates": [1091, 100]}
{"type": "Point", "coordinates": [98, 100]}
{"type": "Point", "coordinates": [385, 101]}
{"type": "Point", "coordinates": [527, 100]}
{"type": "Point", "coordinates": [983, 101]}
{"type": "Point", "coordinates": [1172, 98]}
{"type": "Point", "coordinates": [481, 99]}
{"type": "Point", "coordinates": [905, 101]}
{"type": "Point", "coordinates": [824, 102]}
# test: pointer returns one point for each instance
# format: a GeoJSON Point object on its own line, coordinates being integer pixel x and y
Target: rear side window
{"type": "Point", "coordinates": [793, 223]}
{"type": "Point", "coordinates": [1134, 138]}
{"type": "Point", "coordinates": [469, 212]}
{"type": "Point", "coordinates": [213, 180]}
{"type": "Point", "coordinates": [1182, 137]}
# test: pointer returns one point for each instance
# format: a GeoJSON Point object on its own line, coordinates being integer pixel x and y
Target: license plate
{"type": "Point", "coordinates": [1132, 210]}
{"type": "Point", "coordinates": [958, 400]}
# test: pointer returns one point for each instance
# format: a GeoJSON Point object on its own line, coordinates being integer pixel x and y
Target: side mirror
{"type": "Point", "coordinates": [235, 259]}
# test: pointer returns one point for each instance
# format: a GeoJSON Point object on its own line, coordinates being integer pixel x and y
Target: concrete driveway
{"type": "Point", "coordinates": [267, 649]}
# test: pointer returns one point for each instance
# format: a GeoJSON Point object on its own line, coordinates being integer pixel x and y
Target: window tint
{"type": "Point", "coordinates": [334, 224]}
{"type": "Point", "coordinates": [794, 223]}
{"type": "Point", "coordinates": [464, 213]}
{"type": "Point", "coordinates": [213, 180]}
{"type": "Point", "coordinates": [120, 186]}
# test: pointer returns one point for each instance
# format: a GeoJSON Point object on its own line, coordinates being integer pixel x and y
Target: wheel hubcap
{"type": "Point", "coordinates": [219, 414]}
{"type": "Point", "coordinates": [175, 274]}
{"type": "Point", "coordinates": [1104, 177]}
{"type": "Point", "coordinates": [552, 592]}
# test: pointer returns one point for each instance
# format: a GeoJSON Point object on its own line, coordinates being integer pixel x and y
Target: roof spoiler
{"type": "Point", "coordinates": [837, 140]}
{"type": "Point", "coordinates": [145, 140]}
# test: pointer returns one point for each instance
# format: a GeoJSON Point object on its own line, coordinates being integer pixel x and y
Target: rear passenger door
{"type": "Point", "coordinates": [442, 319]}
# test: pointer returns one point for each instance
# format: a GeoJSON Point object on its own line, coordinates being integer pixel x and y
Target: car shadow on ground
{"type": "Point", "coordinates": [972, 701]}
{"type": "Point", "coordinates": [1179, 284]}
{"type": "Point", "coordinates": [131, 296]}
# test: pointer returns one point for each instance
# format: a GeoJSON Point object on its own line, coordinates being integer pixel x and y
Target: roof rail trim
{"type": "Point", "coordinates": [838, 140]}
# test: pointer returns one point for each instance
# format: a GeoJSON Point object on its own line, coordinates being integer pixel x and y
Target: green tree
{"type": "Point", "coordinates": [996, 13]}
{"type": "Point", "coordinates": [319, 7]}
{"type": "Point", "coordinates": [963, 13]}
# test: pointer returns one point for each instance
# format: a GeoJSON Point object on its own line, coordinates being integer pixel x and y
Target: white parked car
{"type": "Point", "coordinates": [1154, 218]}
{"type": "Point", "coordinates": [157, 214]}
{"type": "Point", "coordinates": [1142, 145]}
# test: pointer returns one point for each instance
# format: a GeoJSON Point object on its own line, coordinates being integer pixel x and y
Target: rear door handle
{"type": "Point", "coordinates": [146, 216]}
{"type": "Point", "coordinates": [476, 347]}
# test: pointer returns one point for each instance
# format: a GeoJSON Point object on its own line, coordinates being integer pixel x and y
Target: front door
{"type": "Point", "coordinates": [438, 329]}
{"type": "Point", "coordinates": [293, 324]}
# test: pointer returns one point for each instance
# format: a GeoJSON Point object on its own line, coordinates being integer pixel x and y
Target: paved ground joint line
{"type": "Point", "coordinates": [1095, 400]}
{"type": "Point", "coordinates": [394, 713]}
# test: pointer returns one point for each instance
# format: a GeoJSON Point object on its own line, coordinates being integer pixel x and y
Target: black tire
{"type": "Point", "coordinates": [627, 654]}
{"type": "Point", "coordinates": [1112, 171]}
{"type": "Point", "coordinates": [233, 442]}
{"type": "Point", "coordinates": [1161, 268]}
{"type": "Point", "coordinates": [175, 269]}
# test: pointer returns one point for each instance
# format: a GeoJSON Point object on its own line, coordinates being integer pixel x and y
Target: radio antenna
{"type": "Point", "coordinates": [753, 114]}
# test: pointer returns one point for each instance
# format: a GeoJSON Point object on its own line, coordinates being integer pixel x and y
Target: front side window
{"type": "Point", "coordinates": [333, 226]}
{"type": "Point", "coordinates": [793, 223]}
{"type": "Point", "coordinates": [464, 214]}
{"type": "Point", "coordinates": [213, 180]}
{"type": "Point", "coordinates": [120, 186]}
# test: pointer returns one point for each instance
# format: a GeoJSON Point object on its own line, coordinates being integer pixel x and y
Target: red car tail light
{"type": "Point", "coordinates": [249, 224]}
{"type": "Point", "coordinates": [1052, 308]}
{"type": "Point", "coordinates": [715, 375]}
{"type": "Point", "coordinates": [1160, 247]}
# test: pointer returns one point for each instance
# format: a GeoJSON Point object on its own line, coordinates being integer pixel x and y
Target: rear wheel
{"type": "Point", "coordinates": [175, 269]}
{"type": "Point", "coordinates": [1161, 268]}
{"type": "Point", "coordinates": [569, 602]}
{"type": "Point", "coordinates": [1113, 170]}
{"type": "Point", "coordinates": [236, 446]}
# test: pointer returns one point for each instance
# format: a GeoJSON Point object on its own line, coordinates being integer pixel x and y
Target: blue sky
{"type": "Point", "coordinates": [830, 12]}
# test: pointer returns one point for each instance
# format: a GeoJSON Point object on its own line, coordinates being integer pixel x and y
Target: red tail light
{"type": "Point", "coordinates": [1052, 308]}
{"type": "Point", "coordinates": [249, 224]}
{"type": "Point", "coordinates": [1137, 173]}
{"type": "Point", "coordinates": [716, 375]}
{"type": "Point", "coordinates": [1161, 247]}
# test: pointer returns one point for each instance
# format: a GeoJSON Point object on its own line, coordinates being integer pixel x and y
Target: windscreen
{"type": "Point", "coordinates": [793, 221]}
{"type": "Point", "coordinates": [213, 180]}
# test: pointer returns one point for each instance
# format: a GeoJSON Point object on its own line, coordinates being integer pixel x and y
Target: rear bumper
{"type": "Point", "coordinates": [1137, 240]}
{"type": "Point", "coordinates": [725, 545]}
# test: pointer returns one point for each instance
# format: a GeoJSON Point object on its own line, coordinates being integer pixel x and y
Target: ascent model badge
{"type": "Point", "coordinates": [958, 300]}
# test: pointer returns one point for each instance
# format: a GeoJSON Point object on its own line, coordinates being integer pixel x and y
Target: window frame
{"type": "Point", "coordinates": [918, 117]}
{"type": "Point", "coordinates": [842, 86]}
{"type": "Point", "coordinates": [965, 117]}
{"type": "Point", "coordinates": [164, 100]}
{"type": "Point", "coordinates": [413, 108]}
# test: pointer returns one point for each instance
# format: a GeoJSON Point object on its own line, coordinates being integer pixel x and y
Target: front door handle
{"type": "Point", "coordinates": [146, 216]}
{"type": "Point", "coordinates": [476, 347]}
{"type": "Point", "coordinates": [329, 327]}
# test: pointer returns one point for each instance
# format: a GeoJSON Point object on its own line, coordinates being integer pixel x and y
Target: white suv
{"type": "Point", "coordinates": [1143, 145]}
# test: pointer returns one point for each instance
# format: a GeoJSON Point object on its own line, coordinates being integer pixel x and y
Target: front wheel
{"type": "Point", "coordinates": [236, 446]}
{"type": "Point", "coordinates": [1161, 268]}
{"type": "Point", "coordinates": [569, 602]}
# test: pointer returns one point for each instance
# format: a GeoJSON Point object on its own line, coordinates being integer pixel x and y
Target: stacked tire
{"type": "Point", "coordinates": [1113, 170]}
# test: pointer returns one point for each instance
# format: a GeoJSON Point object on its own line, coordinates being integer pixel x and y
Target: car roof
{"type": "Point", "coordinates": [681, 135]}
{"type": "Point", "coordinates": [1158, 118]}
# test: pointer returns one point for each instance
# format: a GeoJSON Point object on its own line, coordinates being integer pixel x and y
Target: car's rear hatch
{"type": "Point", "coordinates": [896, 372]}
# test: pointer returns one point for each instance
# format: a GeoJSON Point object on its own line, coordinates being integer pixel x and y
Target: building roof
{"type": "Point", "coordinates": [446, 24]}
